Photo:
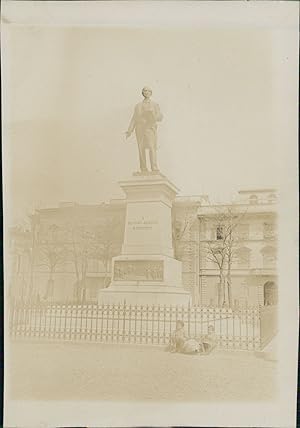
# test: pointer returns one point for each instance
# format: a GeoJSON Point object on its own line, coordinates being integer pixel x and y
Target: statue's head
{"type": "Point", "coordinates": [147, 92]}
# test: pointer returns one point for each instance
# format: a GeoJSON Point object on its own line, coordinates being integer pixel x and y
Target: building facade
{"type": "Point", "coordinates": [65, 254]}
{"type": "Point", "coordinates": [246, 232]}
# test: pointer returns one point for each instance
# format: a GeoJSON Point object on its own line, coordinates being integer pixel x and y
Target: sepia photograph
{"type": "Point", "coordinates": [150, 213]}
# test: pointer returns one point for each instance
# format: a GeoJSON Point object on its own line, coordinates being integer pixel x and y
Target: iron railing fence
{"type": "Point", "coordinates": [243, 329]}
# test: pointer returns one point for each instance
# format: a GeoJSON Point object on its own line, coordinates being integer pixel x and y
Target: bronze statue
{"type": "Point", "coordinates": [144, 123]}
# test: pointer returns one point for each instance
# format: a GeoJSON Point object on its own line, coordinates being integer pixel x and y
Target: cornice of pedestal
{"type": "Point", "coordinates": [148, 181]}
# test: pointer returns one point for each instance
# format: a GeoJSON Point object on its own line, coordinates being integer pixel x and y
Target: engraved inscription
{"type": "Point", "coordinates": [138, 270]}
{"type": "Point", "coordinates": [142, 224]}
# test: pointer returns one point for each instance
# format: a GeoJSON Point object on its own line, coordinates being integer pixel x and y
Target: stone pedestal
{"type": "Point", "coordinates": [146, 271]}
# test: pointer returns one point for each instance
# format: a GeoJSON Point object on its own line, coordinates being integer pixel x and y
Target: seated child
{"type": "Point", "coordinates": [178, 337]}
{"type": "Point", "coordinates": [183, 344]}
{"type": "Point", "coordinates": [209, 341]}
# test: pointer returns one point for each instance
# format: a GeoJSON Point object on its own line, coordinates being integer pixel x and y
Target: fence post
{"type": "Point", "coordinates": [129, 322]}
{"type": "Point", "coordinates": [189, 319]}
{"type": "Point", "coordinates": [261, 341]}
{"type": "Point", "coordinates": [147, 321]}
{"type": "Point", "coordinates": [113, 322]}
{"type": "Point", "coordinates": [107, 322]}
{"type": "Point", "coordinates": [171, 316]}
{"type": "Point", "coordinates": [101, 331]}
{"type": "Point", "coordinates": [152, 324]}
{"type": "Point", "coordinates": [164, 340]}
{"type": "Point", "coordinates": [135, 321]}
{"type": "Point", "coordinates": [158, 317]}
{"type": "Point", "coordinates": [124, 320]}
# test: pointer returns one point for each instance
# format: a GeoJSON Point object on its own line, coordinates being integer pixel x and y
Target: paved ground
{"type": "Point", "coordinates": [71, 371]}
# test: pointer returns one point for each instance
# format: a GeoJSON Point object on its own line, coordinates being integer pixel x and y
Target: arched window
{"type": "Point", "coordinates": [243, 257]}
{"type": "Point", "coordinates": [177, 229]}
{"type": "Point", "coordinates": [243, 231]}
{"type": "Point", "coordinates": [270, 293]}
{"type": "Point", "coordinates": [253, 199]}
{"type": "Point", "coordinates": [269, 257]}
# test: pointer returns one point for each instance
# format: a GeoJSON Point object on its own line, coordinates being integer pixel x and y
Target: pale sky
{"type": "Point", "coordinates": [71, 93]}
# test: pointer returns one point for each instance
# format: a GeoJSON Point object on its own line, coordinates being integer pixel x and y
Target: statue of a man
{"type": "Point", "coordinates": [144, 123]}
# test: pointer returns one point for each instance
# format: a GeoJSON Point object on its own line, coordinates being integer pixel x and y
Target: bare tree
{"type": "Point", "coordinates": [20, 248]}
{"type": "Point", "coordinates": [223, 250]}
{"type": "Point", "coordinates": [52, 255]}
{"type": "Point", "coordinates": [107, 243]}
{"type": "Point", "coordinates": [81, 248]}
{"type": "Point", "coordinates": [180, 225]}
{"type": "Point", "coordinates": [28, 237]}
{"type": "Point", "coordinates": [99, 242]}
{"type": "Point", "coordinates": [34, 225]}
{"type": "Point", "coordinates": [216, 253]}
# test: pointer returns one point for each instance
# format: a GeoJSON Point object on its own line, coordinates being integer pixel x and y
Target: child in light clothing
{"type": "Point", "coordinates": [209, 341]}
{"type": "Point", "coordinates": [183, 344]}
{"type": "Point", "coordinates": [178, 337]}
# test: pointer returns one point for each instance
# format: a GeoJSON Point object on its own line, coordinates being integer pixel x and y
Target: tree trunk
{"type": "Point", "coordinates": [220, 290]}
{"type": "Point", "coordinates": [229, 289]}
{"type": "Point", "coordinates": [31, 274]}
{"type": "Point", "coordinates": [228, 277]}
{"type": "Point", "coordinates": [83, 281]}
{"type": "Point", "coordinates": [175, 250]}
{"type": "Point", "coordinates": [82, 290]}
{"type": "Point", "coordinates": [32, 261]}
{"type": "Point", "coordinates": [221, 294]}
{"type": "Point", "coordinates": [50, 286]}
{"type": "Point", "coordinates": [106, 273]}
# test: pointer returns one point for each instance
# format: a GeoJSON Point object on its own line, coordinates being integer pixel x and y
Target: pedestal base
{"type": "Point", "coordinates": [145, 280]}
{"type": "Point", "coordinates": [146, 272]}
{"type": "Point", "coordinates": [144, 295]}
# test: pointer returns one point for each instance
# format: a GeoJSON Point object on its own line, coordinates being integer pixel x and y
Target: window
{"type": "Point", "coordinates": [177, 230]}
{"type": "Point", "coordinates": [253, 199]}
{"type": "Point", "coordinates": [269, 230]}
{"type": "Point", "coordinates": [270, 293]}
{"type": "Point", "coordinates": [269, 257]}
{"type": "Point", "coordinates": [243, 231]}
{"type": "Point", "coordinates": [219, 232]}
{"type": "Point", "coordinates": [243, 258]}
